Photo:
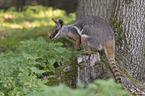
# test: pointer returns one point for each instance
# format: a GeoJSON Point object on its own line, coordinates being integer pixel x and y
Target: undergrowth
{"type": "Point", "coordinates": [19, 69]}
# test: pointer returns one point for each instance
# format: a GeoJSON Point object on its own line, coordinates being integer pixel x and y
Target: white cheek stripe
{"type": "Point", "coordinates": [78, 30]}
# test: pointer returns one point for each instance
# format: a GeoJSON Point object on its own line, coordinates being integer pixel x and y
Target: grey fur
{"type": "Point", "coordinates": [97, 31]}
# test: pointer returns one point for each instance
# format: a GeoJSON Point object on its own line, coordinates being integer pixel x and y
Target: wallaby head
{"type": "Point", "coordinates": [59, 30]}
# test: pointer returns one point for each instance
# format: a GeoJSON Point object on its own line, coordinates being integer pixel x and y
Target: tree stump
{"type": "Point", "coordinates": [91, 68]}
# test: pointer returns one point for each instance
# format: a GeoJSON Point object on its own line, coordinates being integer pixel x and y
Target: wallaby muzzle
{"type": "Point", "coordinates": [53, 35]}
{"type": "Point", "coordinates": [56, 31]}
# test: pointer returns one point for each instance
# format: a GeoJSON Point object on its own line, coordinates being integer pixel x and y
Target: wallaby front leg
{"type": "Point", "coordinates": [84, 44]}
{"type": "Point", "coordinates": [77, 41]}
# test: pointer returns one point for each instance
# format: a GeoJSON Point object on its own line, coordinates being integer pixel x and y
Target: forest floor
{"type": "Point", "coordinates": [31, 23]}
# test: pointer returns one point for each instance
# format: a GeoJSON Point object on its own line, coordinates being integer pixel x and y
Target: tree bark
{"type": "Point", "coordinates": [101, 8]}
{"type": "Point", "coordinates": [88, 70]}
{"type": "Point", "coordinates": [127, 20]}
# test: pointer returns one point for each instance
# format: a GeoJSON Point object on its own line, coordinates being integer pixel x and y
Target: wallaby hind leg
{"type": "Point", "coordinates": [110, 53]}
{"type": "Point", "coordinates": [84, 43]}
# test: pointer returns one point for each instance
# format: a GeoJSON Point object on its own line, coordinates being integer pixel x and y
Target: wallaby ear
{"type": "Point", "coordinates": [60, 22]}
{"type": "Point", "coordinates": [56, 22]}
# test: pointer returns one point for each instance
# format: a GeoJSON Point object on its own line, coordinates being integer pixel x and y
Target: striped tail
{"type": "Point", "coordinates": [109, 51]}
{"type": "Point", "coordinates": [115, 70]}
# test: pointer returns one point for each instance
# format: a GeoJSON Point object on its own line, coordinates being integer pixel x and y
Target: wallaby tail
{"type": "Point", "coordinates": [109, 51]}
{"type": "Point", "coordinates": [115, 71]}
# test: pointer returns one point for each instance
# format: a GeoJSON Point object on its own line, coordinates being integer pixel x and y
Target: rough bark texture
{"type": "Point", "coordinates": [101, 8]}
{"type": "Point", "coordinates": [129, 13]}
{"type": "Point", "coordinates": [90, 68]}
{"type": "Point", "coordinates": [127, 20]}
{"type": "Point", "coordinates": [66, 74]}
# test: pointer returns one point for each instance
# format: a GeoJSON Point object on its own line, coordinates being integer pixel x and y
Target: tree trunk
{"type": "Point", "coordinates": [101, 8]}
{"type": "Point", "coordinates": [127, 20]}
{"type": "Point", "coordinates": [90, 68]}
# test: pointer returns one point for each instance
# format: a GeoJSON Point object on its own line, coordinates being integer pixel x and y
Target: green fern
{"type": "Point", "coordinates": [19, 69]}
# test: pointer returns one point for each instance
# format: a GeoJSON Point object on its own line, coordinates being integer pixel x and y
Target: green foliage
{"type": "Point", "coordinates": [47, 53]}
{"type": "Point", "coordinates": [98, 88]}
{"type": "Point", "coordinates": [16, 75]}
{"type": "Point", "coordinates": [19, 69]}
{"type": "Point", "coordinates": [108, 88]}
{"type": "Point", "coordinates": [62, 90]}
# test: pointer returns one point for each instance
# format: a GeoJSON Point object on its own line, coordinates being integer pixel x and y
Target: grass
{"type": "Point", "coordinates": [32, 22]}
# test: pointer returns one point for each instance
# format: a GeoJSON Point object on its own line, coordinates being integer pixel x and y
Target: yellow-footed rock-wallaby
{"type": "Point", "coordinates": [93, 33]}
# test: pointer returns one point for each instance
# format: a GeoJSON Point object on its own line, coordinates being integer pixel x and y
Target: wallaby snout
{"type": "Point", "coordinates": [57, 29]}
